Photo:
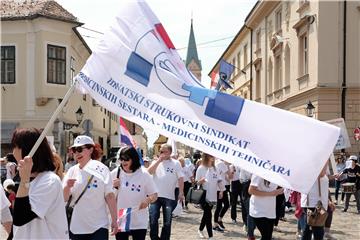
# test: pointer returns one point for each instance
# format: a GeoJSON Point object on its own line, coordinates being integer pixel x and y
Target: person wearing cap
{"type": "Point", "coordinates": [146, 162]}
{"type": "Point", "coordinates": [92, 178]}
{"type": "Point", "coordinates": [39, 208]}
{"type": "Point", "coordinates": [353, 176]}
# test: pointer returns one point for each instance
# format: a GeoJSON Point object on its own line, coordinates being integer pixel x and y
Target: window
{"type": "Point", "coordinates": [270, 89]}
{"type": "Point", "coordinates": [72, 69]}
{"type": "Point", "coordinates": [7, 64]}
{"type": "Point", "coordinates": [287, 65]}
{"type": "Point", "coordinates": [258, 39]}
{"type": "Point", "coordinates": [258, 84]}
{"type": "Point", "coordinates": [278, 20]}
{"type": "Point", "coordinates": [238, 61]}
{"type": "Point", "coordinates": [56, 64]}
{"type": "Point", "coordinates": [235, 70]}
{"type": "Point", "coordinates": [278, 72]}
{"type": "Point", "coordinates": [104, 123]}
{"type": "Point", "coordinates": [304, 55]}
{"type": "Point", "coordinates": [245, 55]}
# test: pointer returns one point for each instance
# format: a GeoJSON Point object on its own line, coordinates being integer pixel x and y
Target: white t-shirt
{"type": "Point", "coordinates": [90, 213]}
{"type": "Point", "coordinates": [188, 173]}
{"type": "Point", "coordinates": [4, 201]}
{"type": "Point", "coordinates": [47, 202]}
{"type": "Point", "coordinates": [9, 166]}
{"type": "Point", "coordinates": [212, 182]}
{"type": "Point", "coordinates": [262, 206]}
{"type": "Point", "coordinates": [244, 176]}
{"type": "Point", "coordinates": [223, 171]}
{"type": "Point", "coordinates": [314, 194]}
{"type": "Point", "coordinates": [236, 171]}
{"type": "Point", "coordinates": [135, 187]}
{"type": "Point", "coordinates": [166, 177]}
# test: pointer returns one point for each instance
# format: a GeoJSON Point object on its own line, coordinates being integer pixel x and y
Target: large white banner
{"type": "Point", "coordinates": [137, 73]}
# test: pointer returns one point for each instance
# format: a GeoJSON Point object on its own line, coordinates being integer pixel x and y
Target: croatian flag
{"type": "Point", "coordinates": [124, 219]}
{"type": "Point", "coordinates": [137, 73]}
{"type": "Point", "coordinates": [125, 136]}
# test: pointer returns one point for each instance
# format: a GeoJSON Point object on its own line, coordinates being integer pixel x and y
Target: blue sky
{"type": "Point", "coordinates": [213, 20]}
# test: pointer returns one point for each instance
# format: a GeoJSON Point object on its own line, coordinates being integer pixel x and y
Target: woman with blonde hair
{"type": "Point", "coordinates": [209, 178]}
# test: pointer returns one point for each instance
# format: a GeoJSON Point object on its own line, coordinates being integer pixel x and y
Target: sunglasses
{"type": "Point", "coordinates": [124, 159]}
{"type": "Point", "coordinates": [78, 149]}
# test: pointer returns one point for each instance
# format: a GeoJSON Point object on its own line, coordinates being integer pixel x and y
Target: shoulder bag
{"type": "Point", "coordinates": [317, 217]}
{"type": "Point", "coordinates": [69, 209]}
{"type": "Point", "coordinates": [196, 195]}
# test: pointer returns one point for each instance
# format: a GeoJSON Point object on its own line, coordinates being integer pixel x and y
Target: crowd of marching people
{"type": "Point", "coordinates": [43, 198]}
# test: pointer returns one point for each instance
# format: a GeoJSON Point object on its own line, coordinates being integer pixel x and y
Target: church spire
{"type": "Point", "coordinates": [192, 50]}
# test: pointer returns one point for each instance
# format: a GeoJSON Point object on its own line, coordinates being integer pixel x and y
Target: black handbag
{"type": "Point", "coordinates": [196, 195]}
{"type": "Point", "coordinates": [69, 209]}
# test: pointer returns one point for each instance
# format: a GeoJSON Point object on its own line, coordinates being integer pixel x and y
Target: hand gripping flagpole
{"type": "Point", "coordinates": [53, 117]}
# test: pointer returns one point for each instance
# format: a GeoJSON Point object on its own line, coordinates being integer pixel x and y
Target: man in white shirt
{"type": "Point", "coordinates": [167, 172]}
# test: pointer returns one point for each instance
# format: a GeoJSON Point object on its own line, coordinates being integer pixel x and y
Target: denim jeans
{"type": "Point", "coordinates": [167, 208]}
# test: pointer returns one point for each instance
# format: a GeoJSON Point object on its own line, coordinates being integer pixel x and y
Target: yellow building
{"type": "Point", "coordinates": [288, 53]}
{"type": "Point", "coordinates": [41, 52]}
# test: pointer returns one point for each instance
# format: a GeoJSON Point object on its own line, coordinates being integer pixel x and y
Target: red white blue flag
{"type": "Point", "coordinates": [125, 136]}
{"type": "Point", "coordinates": [124, 219]}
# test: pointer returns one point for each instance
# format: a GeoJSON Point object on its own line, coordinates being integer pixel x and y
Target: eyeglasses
{"type": "Point", "coordinates": [124, 159]}
{"type": "Point", "coordinates": [78, 149]}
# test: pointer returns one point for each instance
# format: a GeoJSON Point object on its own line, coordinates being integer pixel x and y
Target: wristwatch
{"type": "Point", "coordinates": [25, 184]}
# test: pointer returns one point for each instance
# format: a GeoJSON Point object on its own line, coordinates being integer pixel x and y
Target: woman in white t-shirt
{"type": "Point", "coordinates": [92, 178]}
{"type": "Point", "coordinates": [39, 209]}
{"type": "Point", "coordinates": [135, 190]}
{"type": "Point", "coordinates": [263, 205]}
{"type": "Point", "coordinates": [188, 171]}
{"type": "Point", "coordinates": [318, 192]}
{"type": "Point", "coordinates": [210, 179]}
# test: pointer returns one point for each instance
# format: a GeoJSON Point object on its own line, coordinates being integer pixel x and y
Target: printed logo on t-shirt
{"type": "Point", "coordinates": [100, 169]}
{"type": "Point", "coordinates": [171, 170]}
{"type": "Point", "coordinates": [133, 187]}
{"type": "Point", "coordinates": [94, 184]}
{"type": "Point", "coordinates": [214, 176]}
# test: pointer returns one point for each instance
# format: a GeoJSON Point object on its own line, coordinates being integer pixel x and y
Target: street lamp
{"type": "Point", "coordinates": [309, 108]}
{"type": "Point", "coordinates": [79, 116]}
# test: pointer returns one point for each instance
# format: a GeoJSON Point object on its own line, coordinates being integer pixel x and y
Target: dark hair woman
{"type": "Point", "coordinates": [39, 209]}
{"type": "Point", "coordinates": [135, 190]}
{"type": "Point", "coordinates": [92, 178]}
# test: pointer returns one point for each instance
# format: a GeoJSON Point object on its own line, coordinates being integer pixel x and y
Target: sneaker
{"type": "Point", "coordinates": [233, 221]}
{"type": "Point", "coordinates": [298, 235]}
{"type": "Point", "coordinates": [245, 229]}
{"type": "Point", "coordinates": [186, 208]}
{"type": "Point", "coordinates": [201, 234]}
{"type": "Point", "coordinates": [328, 236]}
{"type": "Point", "coordinates": [221, 224]}
{"type": "Point", "coordinates": [335, 202]}
{"type": "Point", "coordinates": [345, 210]}
{"type": "Point", "coordinates": [341, 202]}
{"type": "Point", "coordinates": [217, 228]}
{"type": "Point", "coordinates": [277, 229]}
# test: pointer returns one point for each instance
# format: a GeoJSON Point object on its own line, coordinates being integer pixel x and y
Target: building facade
{"type": "Point", "coordinates": [301, 51]}
{"type": "Point", "coordinates": [41, 53]}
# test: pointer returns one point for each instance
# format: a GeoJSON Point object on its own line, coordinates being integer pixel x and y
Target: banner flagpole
{"type": "Point", "coordinates": [53, 118]}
